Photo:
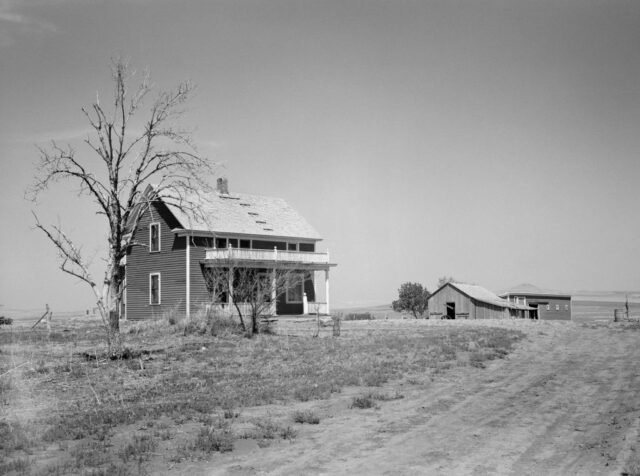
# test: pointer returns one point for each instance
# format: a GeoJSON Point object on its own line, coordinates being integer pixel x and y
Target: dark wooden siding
{"type": "Point", "coordinates": [169, 262]}
{"type": "Point", "coordinates": [562, 314]}
{"type": "Point", "coordinates": [199, 293]}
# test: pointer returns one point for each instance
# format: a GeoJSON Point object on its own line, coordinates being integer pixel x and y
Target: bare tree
{"type": "Point", "coordinates": [253, 291]}
{"type": "Point", "coordinates": [135, 144]}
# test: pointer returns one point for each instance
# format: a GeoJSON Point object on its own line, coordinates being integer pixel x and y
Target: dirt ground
{"type": "Point", "coordinates": [565, 402]}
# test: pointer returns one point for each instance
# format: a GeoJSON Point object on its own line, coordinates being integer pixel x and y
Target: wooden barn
{"type": "Point", "coordinates": [470, 301]}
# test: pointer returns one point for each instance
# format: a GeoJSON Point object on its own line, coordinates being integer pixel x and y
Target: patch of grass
{"type": "Point", "coordinates": [16, 466]}
{"type": "Point", "coordinates": [13, 437]}
{"type": "Point", "coordinates": [91, 454]}
{"type": "Point", "coordinates": [138, 448]}
{"type": "Point", "coordinates": [387, 397]}
{"type": "Point", "coordinates": [211, 439]}
{"type": "Point", "coordinates": [288, 433]}
{"type": "Point", "coordinates": [306, 416]}
{"type": "Point", "coordinates": [358, 316]}
{"type": "Point", "coordinates": [363, 402]}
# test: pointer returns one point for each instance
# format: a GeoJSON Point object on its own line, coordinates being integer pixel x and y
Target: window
{"type": "Point", "coordinates": [294, 288]}
{"type": "Point", "coordinates": [245, 243]}
{"type": "Point", "coordinates": [154, 288]}
{"type": "Point", "coordinates": [557, 307]}
{"type": "Point", "coordinates": [307, 247]}
{"type": "Point", "coordinates": [566, 307]}
{"type": "Point", "coordinates": [233, 242]}
{"type": "Point", "coordinates": [292, 246]}
{"type": "Point", "coordinates": [154, 237]}
{"type": "Point", "coordinates": [548, 307]}
{"type": "Point", "coordinates": [221, 242]}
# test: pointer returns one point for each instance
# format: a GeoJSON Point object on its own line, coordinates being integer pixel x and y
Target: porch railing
{"type": "Point", "coordinates": [242, 254]}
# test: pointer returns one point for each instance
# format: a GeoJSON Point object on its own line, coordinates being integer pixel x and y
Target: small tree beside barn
{"type": "Point", "coordinates": [412, 298]}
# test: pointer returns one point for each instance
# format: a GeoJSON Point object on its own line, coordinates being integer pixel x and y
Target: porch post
{"type": "Point", "coordinates": [230, 280]}
{"type": "Point", "coordinates": [274, 297]}
{"type": "Point", "coordinates": [326, 288]}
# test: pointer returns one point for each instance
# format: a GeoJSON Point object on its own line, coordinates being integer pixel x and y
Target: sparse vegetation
{"type": "Point", "coordinates": [363, 402]}
{"type": "Point", "coordinates": [306, 416]}
{"type": "Point", "coordinates": [178, 379]}
{"type": "Point", "coordinates": [358, 316]}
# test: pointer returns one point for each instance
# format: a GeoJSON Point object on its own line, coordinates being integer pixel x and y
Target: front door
{"type": "Point", "coordinates": [451, 310]}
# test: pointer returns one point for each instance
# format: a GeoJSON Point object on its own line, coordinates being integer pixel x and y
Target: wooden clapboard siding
{"type": "Point", "coordinates": [170, 262]}
{"type": "Point", "coordinates": [199, 293]}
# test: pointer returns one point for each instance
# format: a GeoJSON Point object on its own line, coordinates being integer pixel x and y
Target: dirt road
{"type": "Point", "coordinates": [567, 401]}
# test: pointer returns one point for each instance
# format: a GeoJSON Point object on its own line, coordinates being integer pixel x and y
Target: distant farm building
{"type": "Point", "coordinates": [469, 301]}
{"type": "Point", "coordinates": [546, 304]}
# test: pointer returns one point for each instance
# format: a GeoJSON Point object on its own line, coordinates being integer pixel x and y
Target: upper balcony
{"type": "Point", "coordinates": [243, 256]}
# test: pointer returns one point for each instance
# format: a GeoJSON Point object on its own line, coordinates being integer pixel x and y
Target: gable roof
{"type": "Point", "coordinates": [481, 294]}
{"type": "Point", "coordinates": [241, 213]}
{"type": "Point", "coordinates": [531, 290]}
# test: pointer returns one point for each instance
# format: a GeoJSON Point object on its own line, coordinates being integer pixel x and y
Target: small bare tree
{"type": "Point", "coordinates": [134, 145]}
{"type": "Point", "coordinates": [253, 291]}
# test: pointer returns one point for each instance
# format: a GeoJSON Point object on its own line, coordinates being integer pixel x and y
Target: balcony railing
{"type": "Point", "coordinates": [242, 254]}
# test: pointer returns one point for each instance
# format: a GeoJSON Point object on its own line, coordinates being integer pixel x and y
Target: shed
{"type": "Point", "coordinates": [470, 301]}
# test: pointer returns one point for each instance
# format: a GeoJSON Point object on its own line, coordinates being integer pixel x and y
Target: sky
{"type": "Point", "coordinates": [495, 141]}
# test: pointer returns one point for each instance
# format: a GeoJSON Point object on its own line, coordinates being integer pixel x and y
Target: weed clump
{"type": "Point", "coordinates": [306, 416]}
{"type": "Point", "coordinates": [212, 439]}
{"type": "Point", "coordinates": [363, 402]}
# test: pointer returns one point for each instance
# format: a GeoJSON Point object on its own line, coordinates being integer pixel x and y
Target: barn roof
{"type": "Point", "coordinates": [241, 213]}
{"type": "Point", "coordinates": [481, 294]}
{"type": "Point", "coordinates": [531, 290]}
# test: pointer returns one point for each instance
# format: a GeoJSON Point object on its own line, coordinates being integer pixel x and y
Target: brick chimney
{"type": "Point", "coordinates": [223, 186]}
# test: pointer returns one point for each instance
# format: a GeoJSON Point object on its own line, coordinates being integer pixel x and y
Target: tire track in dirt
{"type": "Point", "coordinates": [563, 403]}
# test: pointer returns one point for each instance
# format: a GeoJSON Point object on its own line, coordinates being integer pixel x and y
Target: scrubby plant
{"type": "Point", "coordinates": [363, 402]}
{"type": "Point", "coordinates": [306, 416]}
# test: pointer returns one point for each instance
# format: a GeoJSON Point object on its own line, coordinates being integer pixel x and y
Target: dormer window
{"type": "Point", "coordinates": [154, 237]}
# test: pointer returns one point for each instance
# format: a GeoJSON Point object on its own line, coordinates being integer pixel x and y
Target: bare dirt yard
{"type": "Point", "coordinates": [386, 397]}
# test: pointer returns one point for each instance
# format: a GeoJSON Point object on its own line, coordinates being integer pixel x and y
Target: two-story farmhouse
{"type": "Point", "coordinates": [171, 251]}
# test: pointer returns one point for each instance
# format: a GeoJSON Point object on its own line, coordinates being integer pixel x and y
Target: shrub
{"type": "Point", "coordinates": [212, 439]}
{"type": "Point", "coordinates": [306, 416]}
{"type": "Point", "coordinates": [363, 402]}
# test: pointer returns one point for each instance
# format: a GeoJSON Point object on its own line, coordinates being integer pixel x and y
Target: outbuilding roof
{"type": "Point", "coordinates": [241, 213]}
{"type": "Point", "coordinates": [531, 290]}
{"type": "Point", "coordinates": [481, 294]}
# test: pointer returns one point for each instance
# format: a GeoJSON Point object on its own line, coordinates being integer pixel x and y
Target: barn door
{"type": "Point", "coordinates": [451, 310]}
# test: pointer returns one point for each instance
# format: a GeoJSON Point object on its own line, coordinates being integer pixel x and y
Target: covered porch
{"type": "Point", "coordinates": [288, 280]}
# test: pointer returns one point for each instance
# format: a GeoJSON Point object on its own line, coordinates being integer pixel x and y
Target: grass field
{"type": "Point", "coordinates": [194, 391]}
{"type": "Point", "coordinates": [184, 394]}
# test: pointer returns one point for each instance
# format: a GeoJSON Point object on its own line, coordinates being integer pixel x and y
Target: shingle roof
{"type": "Point", "coordinates": [240, 213]}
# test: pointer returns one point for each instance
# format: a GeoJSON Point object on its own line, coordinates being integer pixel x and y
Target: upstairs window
{"type": "Point", "coordinates": [557, 307]}
{"type": "Point", "coordinates": [154, 237]}
{"type": "Point", "coordinates": [154, 288]}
